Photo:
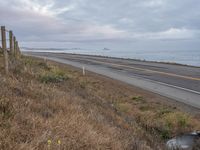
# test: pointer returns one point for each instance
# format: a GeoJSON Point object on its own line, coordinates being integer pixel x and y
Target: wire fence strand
{"type": "Point", "coordinates": [5, 40]}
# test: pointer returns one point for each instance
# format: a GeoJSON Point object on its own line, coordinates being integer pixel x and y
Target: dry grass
{"type": "Point", "coordinates": [45, 105]}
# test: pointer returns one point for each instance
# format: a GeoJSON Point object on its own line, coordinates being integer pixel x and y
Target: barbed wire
{"type": "Point", "coordinates": [8, 31]}
{"type": "Point", "coordinates": [8, 40]}
{"type": "Point", "coordinates": [5, 40]}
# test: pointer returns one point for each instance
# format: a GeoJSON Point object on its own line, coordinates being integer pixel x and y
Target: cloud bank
{"type": "Point", "coordinates": [102, 20]}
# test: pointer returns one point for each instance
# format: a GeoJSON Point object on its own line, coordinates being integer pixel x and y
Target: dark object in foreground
{"type": "Point", "coordinates": [189, 141]}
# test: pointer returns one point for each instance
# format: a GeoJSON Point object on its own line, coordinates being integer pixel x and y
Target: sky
{"type": "Point", "coordinates": [131, 24]}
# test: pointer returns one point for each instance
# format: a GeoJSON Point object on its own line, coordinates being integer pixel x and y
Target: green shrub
{"type": "Point", "coordinates": [28, 61]}
{"type": "Point", "coordinates": [165, 134]}
{"type": "Point", "coordinates": [137, 98]}
{"type": "Point", "coordinates": [5, 108]}
{"type": "Point", "coordinates": [83, 84]}
{"type": "Point", "coordinates": [55, 75]}
{"type": "Point", "coordinates": [52, 78]}
{"type": "Point", "coordinates": [163, 111]}
{"type": "Point", "coordinates": [44, 65]}
{"type": "Point", "coordinates": [182, 121]}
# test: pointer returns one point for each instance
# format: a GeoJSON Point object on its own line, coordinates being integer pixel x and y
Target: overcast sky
{"type": "Point", "coordinates": [147, 23]}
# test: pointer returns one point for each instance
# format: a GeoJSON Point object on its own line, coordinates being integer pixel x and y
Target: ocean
{"type": "Point", "coordinates": [178, 56]}
{"type": "Point", "coordinates": [174, 51]}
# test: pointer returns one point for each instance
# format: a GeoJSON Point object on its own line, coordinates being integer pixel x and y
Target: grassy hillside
{"type": "Point", "coordinates": [45, 105]}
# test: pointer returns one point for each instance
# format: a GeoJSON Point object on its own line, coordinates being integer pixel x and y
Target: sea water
{"type": "Point", "coordinates": [180, 57]}
{"type": "Point", "coordinates": [182, 52]}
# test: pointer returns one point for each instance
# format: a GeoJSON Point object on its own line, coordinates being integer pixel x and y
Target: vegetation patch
{"type": "Point", "coordinates": [138, 99]}
{"type": "Point", "coordinates": [163, 111]}
{"type": "Point", "coordinates": [145, 108]}
{"type": "Point", "coordinates": [44, 65]}
{"type": "Point", "coordinates": [55, 75]}
{"type": "Point", "coordinates": [43, 102]}
{"type": "Point", "coordinates": [5, 108]}
{"type": "Point", "coordinates": [29, 61]}
{"type": "Point", "coordinates": [123, 107]}
{"type": "Point", "coordinates": [177, 120]}
{"type": "Point", "coordinates": [174, 122]}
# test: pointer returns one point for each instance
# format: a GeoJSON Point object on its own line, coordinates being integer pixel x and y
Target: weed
{"type": "Point", "coordinates": [55, 75]}
{"type": "Point", "coordinates": [44, 65]}
{"type": "Point", "coordinates": [28, 61]}
{"type": "Point", "coordinates": [176, 122]}
{"type": "Point", "coordinates": [5, 108]}
{"type": "Point", "coordinates": [123, 107]}
{"type": "Point", "coordinates": [182, 121]}
{"type": "Point", "coordinates": [138, 99]}
{"type": "Point", "coordinates": [165, 134]}
{"type": "Point", "coordinates": [163, 111]}
{"type": "Point", "coordinates": [145, 108]}
{"type": "Point", "coordinates": [83, 83]}
{"type": "Point", "coordinates": [52, 78]}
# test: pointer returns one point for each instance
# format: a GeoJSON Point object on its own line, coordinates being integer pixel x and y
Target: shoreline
{"type": "Point", "coordinates": [119, 58]}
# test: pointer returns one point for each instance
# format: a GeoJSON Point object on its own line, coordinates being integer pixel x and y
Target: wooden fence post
{"type": "Point", "coordinates": [17, 49]}
{"type": "Point", "coordinates": [11, 42]}
{"type": "Point", "coordinates": [3, 35]}
{"type": "Point", "coordinates": [19, 52]}
{"type": "Point", "coordinates": [83, 71]}
{"type": "Point", "coordinates": [14, 43]}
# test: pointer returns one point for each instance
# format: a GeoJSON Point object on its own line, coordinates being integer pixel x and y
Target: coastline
{"type": "Point", "coordinates": [112, 57]}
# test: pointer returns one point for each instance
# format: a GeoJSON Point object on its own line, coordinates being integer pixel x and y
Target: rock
{"type": "Point", "coordinates": [188, 141]}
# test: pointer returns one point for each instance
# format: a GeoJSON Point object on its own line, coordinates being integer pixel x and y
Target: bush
{"type": "Point", "coordinates": [177, 120]}
{"type": "Point", "coordinates": [55, 75]}
{"type": "Point", "coordinates": [165, 134]}
{"type": "Point", "coordinates": [138, 99]}
{"type": "Point", "coordinates": [44, 65]}
{"type": "Point", "coordinates": [52, 78]}
{"type": "Point", "coordinates": [28, 61]}
{"type": "Point", "coordinates": [5, 108]}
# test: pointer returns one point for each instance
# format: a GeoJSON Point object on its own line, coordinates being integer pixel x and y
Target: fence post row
{"type": "Point", "coordinates": [14, 39]}
{"type": "Point", "coordinates": [13, 46]}
{"type": "Point", "coordinates": [17, 49]}
{"type": "Point", "coordinates": [5, 52]}
{"type": "Point", "coordinates": [11, 42]}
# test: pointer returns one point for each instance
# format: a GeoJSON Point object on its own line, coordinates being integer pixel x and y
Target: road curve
{"type": "Point", "coordinates": [178, 82]}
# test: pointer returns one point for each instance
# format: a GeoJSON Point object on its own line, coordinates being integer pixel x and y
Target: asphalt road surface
{"type": "Point", "coordinates": [178, 82]}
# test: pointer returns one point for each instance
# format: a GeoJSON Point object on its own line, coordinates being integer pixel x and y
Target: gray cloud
{"type": "Point", "coordinates": [98, 20]}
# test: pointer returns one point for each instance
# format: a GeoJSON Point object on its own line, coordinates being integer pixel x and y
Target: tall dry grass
{"type": "Point", "coordinates": [45, 105]}
{"type": "Point", "coordinates": [39, 112]}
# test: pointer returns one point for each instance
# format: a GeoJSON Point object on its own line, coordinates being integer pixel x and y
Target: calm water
{"type": "Point", "coordinates": [182, 57]}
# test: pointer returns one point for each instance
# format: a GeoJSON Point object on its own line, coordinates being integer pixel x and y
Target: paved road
{"type": "Point", "coordinates": [181, 83]}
